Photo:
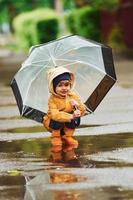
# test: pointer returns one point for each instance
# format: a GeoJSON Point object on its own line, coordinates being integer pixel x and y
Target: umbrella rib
{"type": "Point", "coordinates": [87, 64]}
{"type": "Point", "coordinates": [48, 54]}
{"type": "Point", "coordinates": [52, 58]}
{"type": "Point", "coordinates": [58, 45]}
{"type": "Point", "coordinates": [42, 50]}
{"type": "Point", "coordinates": [26, 67]}
{"type": "Point", "coordinates": [93, 66]}
{"type": "Point", "coordinates": [75, 48]}
{"type": "Point", "coordinates": [39, 61]}
{"type": "Point", "coordinates": [69, 64]}
{"type": "Point", "coordinates": [77, 61]}
{"type": "Point", "coordinates": [30, 65]}
{"type": "Point", "coordinates": [68, 51]}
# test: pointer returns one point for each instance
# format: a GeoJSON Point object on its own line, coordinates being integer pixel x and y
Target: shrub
{"type": "Point", "coordinates": [35, 27]}
{"type": "Point", "coordinates": [106, 4]}
{"type": "Point", "coordinates": [49, 28]}
{"type": "Point", "coordinates": [85, 22]}
{"type": "Point", "coordinates": [115, 39]}
{"type": "Point", "coordinates": [70, 22]}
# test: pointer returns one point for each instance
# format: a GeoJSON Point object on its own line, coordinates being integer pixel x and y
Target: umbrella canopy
{"type": "Point", "coordinates": [36, 188]}
{"type": "Point", "coordinates": [91, 63]}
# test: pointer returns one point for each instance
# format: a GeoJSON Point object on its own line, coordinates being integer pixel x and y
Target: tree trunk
{"type": "Point", "coordinates": [60, 10]}
{"type": "Point", "coordinates": [58, 6]}
{"type": "Point", "coordinates": [12, 12]}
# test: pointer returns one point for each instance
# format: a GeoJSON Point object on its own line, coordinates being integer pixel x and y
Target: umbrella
{"type": "Point", "coordinates": [36, 188]}
{"type": "Point", "coordinates": [91, 62]}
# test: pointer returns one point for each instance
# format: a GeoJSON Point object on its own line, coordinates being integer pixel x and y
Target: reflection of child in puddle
{"type": "Point", "coordinates": [71, 195]}
{"type": "Point", "coordinates": [66, 155]}
{"type": "Point", "coordinates": [58, 178]}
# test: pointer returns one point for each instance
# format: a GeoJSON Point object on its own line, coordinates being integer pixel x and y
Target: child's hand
{"type": "Point", "coordinates": [76, 113]}
{"type": "Point", "coordinates": [74, 103]}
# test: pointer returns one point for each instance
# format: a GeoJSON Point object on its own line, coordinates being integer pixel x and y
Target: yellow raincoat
{"type": "Point", "coordinates": [60, 108]}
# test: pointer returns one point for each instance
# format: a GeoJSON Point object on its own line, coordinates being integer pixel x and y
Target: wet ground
{"type": "Point", "coordinates": [100, 168]}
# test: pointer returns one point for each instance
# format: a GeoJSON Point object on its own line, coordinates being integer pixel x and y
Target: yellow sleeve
{"type": "Point", "coordinates": [57, 115]}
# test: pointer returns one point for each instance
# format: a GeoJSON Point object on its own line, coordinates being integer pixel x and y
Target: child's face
{"type": "Point", "coordinates": [63, 88]}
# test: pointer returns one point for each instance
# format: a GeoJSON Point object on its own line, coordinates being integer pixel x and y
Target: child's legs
{"type": "Point", "coordinates": [69, 131]}
{"type": "Point", "coordinates": [56, 137]}
{"type": "Point", "coordinates": [55, 129]}
{"type": "Point", "coordinates": [68, 137]}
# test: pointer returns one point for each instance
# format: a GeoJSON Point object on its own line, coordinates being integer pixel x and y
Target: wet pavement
{"type": "Point", "coordinates": [100, 168]}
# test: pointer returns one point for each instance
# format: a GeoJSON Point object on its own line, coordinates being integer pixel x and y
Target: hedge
{"type": "Point", "coordinates": [35, 27]}
{"type": "Point", "coordinates": [85, 22]}
{"type": "Point", "coordinates": [106, 4]}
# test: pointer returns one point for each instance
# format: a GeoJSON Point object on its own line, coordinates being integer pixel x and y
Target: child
{"type": "Point", "coordinates": [64, 107]}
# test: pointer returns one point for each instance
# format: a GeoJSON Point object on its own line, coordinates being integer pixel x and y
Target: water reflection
{"type": "Point", "coordinates": [37, 154]}
{"type": "Point", "coordinates": [36, 157]}
{"type": "Point", "coordinates": [65, 154]}
{"type": "Point", "coordinates": [51, 195]}
{"type": "Point", "coordinates": [39, 187]}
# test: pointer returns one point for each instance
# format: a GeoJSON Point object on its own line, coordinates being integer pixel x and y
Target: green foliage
{"type": "Point", "coordinates": [70, 21]}
{"type": "Point", "coordinates": [11, 8]}
{"type": "Point", "coordinates": [24, 5]}
{"type": "Point", "coordinates": [68, 5]}
{"type": "Point", "coordinates": [116, 39]}
{"type": "Point", "coordinates": [105, 4]}
{"type": "Point", "coordinates": [85, 22]}
{"type": "Point", "coordinates": [3, 16]}
{"type": "Point", "coordinates": [50, 28]}
{"type": "Point", "coordinates": [35, 27]}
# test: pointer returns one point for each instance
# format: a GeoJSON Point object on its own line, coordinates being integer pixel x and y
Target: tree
{"type": "Point", "coordinates": [14, 7]}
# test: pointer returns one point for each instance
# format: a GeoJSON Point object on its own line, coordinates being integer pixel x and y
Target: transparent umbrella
{"type": "Point", "coordinates": [91, 62]}
{"type": "Point", "coordinates": [36, 188]}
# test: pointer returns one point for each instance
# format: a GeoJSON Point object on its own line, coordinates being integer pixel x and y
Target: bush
{"type": "Point", "coordinates": [106, 4]}
{"type": "Point", "coordinates": [70, 22]}
{"type": "Point", "coordinates": [115, 39]}
{"type": "Point", "coordinates": [35, 27]}
{"type": "Point", "coordinates": [50, 28]}
{"type": "Point", "coordinates": [85, 22]}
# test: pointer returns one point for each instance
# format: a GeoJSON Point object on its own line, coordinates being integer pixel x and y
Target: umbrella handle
{"type": "Point", "coordinates": [75, 107]}
{"type": "Point", "coordinates": [74, 104]}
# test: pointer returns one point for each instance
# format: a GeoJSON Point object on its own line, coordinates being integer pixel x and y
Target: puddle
{"type": "Point", "coordinates": [90, 147]}
{"type": "Point", "coordinates": [73, 173]}
{"type": "Point", "coordinates": [76, 184]}
{"type": "Point", "coordinates": [119, 155]}
{"type": "Point", "coordinates": [32, 129]}
{"type": "Point", "coordinates": [91, 194]}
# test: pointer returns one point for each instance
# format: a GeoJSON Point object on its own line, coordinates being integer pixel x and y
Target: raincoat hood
{"type": "Point", "coordinates": [54, 72]}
